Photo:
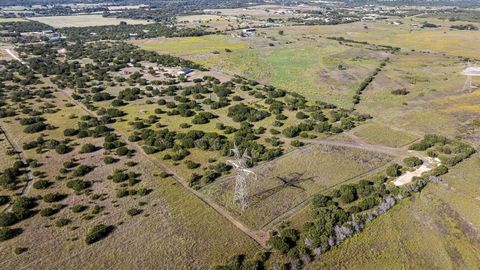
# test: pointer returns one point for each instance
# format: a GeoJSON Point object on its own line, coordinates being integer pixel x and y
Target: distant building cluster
{"type": "Point", "coordinates": [52, 35]}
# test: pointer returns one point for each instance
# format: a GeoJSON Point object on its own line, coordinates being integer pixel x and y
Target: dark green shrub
{"type": "Point", "coordinates": [63, 149]}
{"type": "Point", "coordinates": [348, 193]}
{"type": "Point", "coordinates": [192, 165]}
{"type": "Point", "coordinates": [82, 170]}
{"type": "Point", "coordinates": [8, 233]}
{"type": "Point", "coordinates": [70, 164]}
{"type": "Point", "coordinates": [164, 175]}
{"type": "Point", "coordinates": [49, 211]}
{"type": "Point", "coordinates": [41, 184]}
{"type": "Point", "coordinates": [347, 198]}
{"type": "Point", "coordinates": [21, 207]}
{"type": "Point", "coordinates": [97, 233]}
{"type": "Point", "coordinates": [134, 211]}
{"type": "Point", "coordinates": [78, 208]}
{"type": "Point", "coordinates": [70, 132]}
{"type": "Point", "coordinates": [367, 203]}
{"type": "Point", "coordinates": [291, 132]}
{"type": "Point", "coordinates": [119, 176]}
{"type": "Point", "coordinates": [8, 219]}
{"type": "Point", "coordinates": [4, 200]}
{"type": "Point", "coordinates": [320, 200]}
{"type": "Point", "coordinates": [34, 128]}
{"type": "Point", "coordinates": [412, 162]}
{"type": "Point", "coordinates": [301, 115]}
{"type": "Point", "coordinates": [78, 185]}
{"type": "Point", "coordinates": [296, 143]}
{"type": "Point", "coordinates": [62, 222]}
{"type": "Point", "coordinates": [279, 244]}
{"type": "Point", "coordinates": [20, 250]}
{"type": "Point", "coordinates": [122, 193]}
{"type": "Point", "coordinates": [393, 170]}
{"type": "Point", "coordinates": [53, 197]}
{"type": "Point", "coordinates": [88, 148]}
{"type": "Point", "coordinates": [109, 160]}
{"type": "Point", "coordinates": [440, 170]}
{"type": "Point", "coordinates": [122, 151]}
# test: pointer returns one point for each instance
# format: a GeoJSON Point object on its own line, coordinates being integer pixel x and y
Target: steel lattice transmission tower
{"type": "Point", "coordinates": [243, 172]}
{"type": "Point", "coordinates": [470, 72]}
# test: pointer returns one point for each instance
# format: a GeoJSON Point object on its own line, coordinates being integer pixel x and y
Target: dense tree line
{"type": "Point", "coordinates": [23, 27]}
{"type": "Point", "coordinates": [125, 31]}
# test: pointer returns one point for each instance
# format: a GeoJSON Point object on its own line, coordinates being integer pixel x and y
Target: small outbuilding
{"type": "Point", "coordinates": [185, 71]}
{"type": "Point", "coordinates": [249, 31]}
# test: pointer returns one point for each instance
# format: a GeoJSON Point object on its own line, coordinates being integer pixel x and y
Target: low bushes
{"type": "Point", "coordinates": [412, 162]}
{"type": "Point", "coordinates": [394, 170]}
{"type": "Point", "coordinates": [97, 233]}
{"type": "Point", "coordinates": [53, 197]}
{"type": "Point", "coordinates": [41, 184]}
{"type": "Point", "coordinates": [134, 211]}
{"type": "Point", "coordinates": [78, 185]}
{"type": "Point", "coordinates": [8, 233]}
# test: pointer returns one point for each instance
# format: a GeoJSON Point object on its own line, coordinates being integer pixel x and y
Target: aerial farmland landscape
{"type": "Point", "coordinates": [240, 135]}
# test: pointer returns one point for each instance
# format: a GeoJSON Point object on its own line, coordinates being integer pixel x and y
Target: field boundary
{"type": "Point", "coordinates": [28, 172]}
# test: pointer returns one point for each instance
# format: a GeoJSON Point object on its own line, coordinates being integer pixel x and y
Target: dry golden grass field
{"type": "Point", "coordinates": [83, 20]}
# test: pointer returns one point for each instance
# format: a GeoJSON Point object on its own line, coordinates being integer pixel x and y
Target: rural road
{"type": "Point", "coordinates": [14, 56]}
{"type": "Point", "coordinates": [28, 173]}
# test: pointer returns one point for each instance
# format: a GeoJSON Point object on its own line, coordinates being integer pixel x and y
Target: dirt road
{"type": "Point", "coordinates": [28, 173]}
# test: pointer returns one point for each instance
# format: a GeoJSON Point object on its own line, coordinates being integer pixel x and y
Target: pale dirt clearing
{"type": "Point", "coordinates": [428, 165]}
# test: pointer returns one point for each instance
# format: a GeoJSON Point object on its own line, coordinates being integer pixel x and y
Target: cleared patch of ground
{"type": "Point", "coordinates": [428, 165]}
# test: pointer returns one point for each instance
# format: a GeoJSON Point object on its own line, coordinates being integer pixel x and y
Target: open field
{"type": "Point", "coordinates": [83, 20]}
{"type": "Point", "coordinates": [408, 36]}
{"type": "Point", "coordinates": [319, 168]}
{"type": "Point", "coordinates": [192, 46]}
{"type": "Point", "coordinates": [4, 20]}
{"type": "Point", "coordinates": [302, 65]}
{"type": "Point", "coordinates": [435, 101]}
{"type": "Point", "coordinates": [378, 134]}
{"type": "Point", "coordinates": [303, 62]}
